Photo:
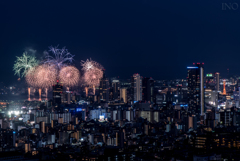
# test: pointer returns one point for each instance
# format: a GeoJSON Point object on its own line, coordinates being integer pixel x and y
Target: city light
{"type": "Point", "coordinates": [192, 67]}
{"type": "Point", "coordinates": [79, 109]}
{"type": "Point", "coordinates": [145, 95]}
{"type": "Point", "coordinates": [14, 112]}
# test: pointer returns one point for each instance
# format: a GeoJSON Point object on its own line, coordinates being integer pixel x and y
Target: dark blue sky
{"type": "Point", "coordinates": [155, 38]}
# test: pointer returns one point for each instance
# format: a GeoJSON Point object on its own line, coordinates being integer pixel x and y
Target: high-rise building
{"type": "Point", "coordinates": [42, 126]}
{"type": "Point", "coordinates": [123, 94]}
{"type": "Point", "coordinates": [196, 89]}
{"type": "Point", "coordinates": [7, 137]}
{"type": "Point", "coordinates": [116, 89]}
{"type": "Point", "coordinates": [217, 81]}
{"type": "Point", "coordinates": [57, 91]}
{"type": "Point", "coordinates": [148, 89]}
{"type": "Point", "coordinates": [136, 87]}
{"type": "Point", "coordinates": [104, 88]}
{"type": "Point", "coordinates": [228, 117]}
{"type": "Point", "coordinates": [182, 94]}
{"type": "Point", "coordinates": [210, 81]}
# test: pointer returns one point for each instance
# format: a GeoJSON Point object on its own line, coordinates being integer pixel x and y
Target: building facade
{"type": "Point", "coordinates": [196, 89]}
{"type": "Point", "coordinates": [136, 87]}
{"type": "Point", "coordinates": [57, 92]}
{"type": "Point", "coordinates": [104, 88]}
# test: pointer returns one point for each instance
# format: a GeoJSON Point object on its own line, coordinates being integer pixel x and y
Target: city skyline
{"type": "Point", "coordinates": [119, 80]}
{"type": "Point", "coordinates": [128, 37]}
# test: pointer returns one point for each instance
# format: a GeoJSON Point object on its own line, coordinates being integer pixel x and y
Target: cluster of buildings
{"type": "Point", "coordinates": [141, 118]}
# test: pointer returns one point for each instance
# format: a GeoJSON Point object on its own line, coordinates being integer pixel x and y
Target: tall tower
{"type": "Point", "coordinates": [104, 88]}
{"type": "Point", "coordinates": [148, 89]}
{"type": "Point", "coordinates": [217, 81]}
{"type": "Point", "coordinates": [57, 92]}
{"type": "Point", "coordinates": [224, 87]}
{"type": "Point", "coordinates": [196, 89]}
{"type": "Point", "coordinates": [116, 89]}
{"type": "Point", "coordinates": [137, 87]}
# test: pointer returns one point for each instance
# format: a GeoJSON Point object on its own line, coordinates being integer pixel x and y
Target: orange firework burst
{"type": "Point", "coordinates": [69, 76]}
{"type": "Point", "coordinates": [92, 76]}
{"type": "Point", "coordinates": [92, 72]}
{"type": "Point", "coordinates": [45, 76]}
{"type": "Point", "coordinates": [30, 78]}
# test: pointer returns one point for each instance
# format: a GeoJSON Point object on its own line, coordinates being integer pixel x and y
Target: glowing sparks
{"type": "Point", "coordinates": [30, 78]}
{"type": "Point", "coordinates": [24, 64]}
{"type": "Point", "coordinates": [92, 72]}
{"type": "Point", "coordinates": [92, 77]}
{"type": "Point", "coordinates": [56, 66]}
{"type": "Point", "coordinates": [45, 76]}
{"type": "Point", "coordinates": [59, 57]}
{"type": "Point", "coordinates": [90, 64]}
{"type": "Point", "coordinates": [87, 65]}
{"type": "Point", "coordinates": [69, 76]}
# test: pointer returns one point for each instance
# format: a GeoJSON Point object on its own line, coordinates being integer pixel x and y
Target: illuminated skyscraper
{"type": "Point", "coordinates": [210, 81]}
{"type": "Point", "coordinates": [136, 87]}
{"type": "Point", "coordinates": [123, 94]}
{"type": "Point", "coordinates": [116, 88]}
{"type": "Point", "coordinates": [196, 89]}
{"type": "Point", "coordinates": [57, 92]}
{"type": "Point", "coordinates": [104, 88]}
{"type": "Point", "coordinates": [217, 81]}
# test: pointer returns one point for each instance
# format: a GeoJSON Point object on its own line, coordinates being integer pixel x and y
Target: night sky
{"type": "Point", "coordinates": [156, 38]}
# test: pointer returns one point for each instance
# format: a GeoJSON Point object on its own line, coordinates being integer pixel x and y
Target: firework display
{"type": "Point", "coordinates": [92, 77]}
{"type": "Point", "coordinates": [58, 58]}
{"type": "Point", "coordinates": [45, 76]}
{"type": "Point", "coordinates": [24, 64]}
{"type": "Point", "coordinates": [30, 78]}
{"type": "Point", "coordinates": [90, 64]}
{"type": "Point", "coordinates": [69, 76]}
{"type": "Point", "coordinates": [56, 66]}
{"type": "Point", "coordinates": [92, 72]}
